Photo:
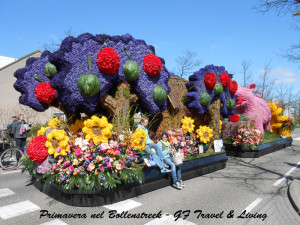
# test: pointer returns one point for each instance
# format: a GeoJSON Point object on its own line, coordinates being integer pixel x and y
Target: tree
{"type": "Point", "coordinates": [280, 6]}
{"type": "Point", "coordinates": [245, 71]}
{"type": "Point", "coordinates": [188, 63]}
{"type": "Point", "coordinates": [293, 53]}
{"type": "Point", "coordinates": [265, 85]}
{"type": "Point", "coordinates": [285, 96]}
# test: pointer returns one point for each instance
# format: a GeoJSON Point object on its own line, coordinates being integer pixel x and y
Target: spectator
{"type": "Point", "coordinates": [10, 126]}
{"type": "Point", "coordinates": [62, 118]}
{"type": "Point", "coordinates": [167, 150]}
{"type": "Point", "coordinates": [19, 130]}
{"type": "Point", "coordinates": [157, 156]}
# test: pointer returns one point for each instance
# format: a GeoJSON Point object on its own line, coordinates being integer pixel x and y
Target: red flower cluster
{"type": "Point", "coordinates": [152, 65]}
{"type": "Point", "coordinates": [225, 79]}
{"type": "Point", "coordinates": [45, 93]}
{"type": "Point", "coordinates": [108, 61]}
{"type": "Point", "coordinates": [239, 100]}
{"type": "Point", "coordinates": [210, 80]}
{"type": "Point", "coordinates": [234, 118]}
{"type": "Point", "coordinates": [233, 87]}
{"type": "Point", "coordinates": [37, 151]}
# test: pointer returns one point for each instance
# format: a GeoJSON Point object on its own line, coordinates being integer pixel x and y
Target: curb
{"type": "Point", "coordinates": [294, 195]}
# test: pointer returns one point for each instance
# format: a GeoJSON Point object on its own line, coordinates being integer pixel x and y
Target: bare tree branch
{"type": "Point", "coordinates": [293, 53]}
{"type": "Point", "coordinates": [265, 85]}
{"type": "Point", "coordinates": [280, 6]}
{"type": "Point", "coordinates": [245, 71]}
{"type": "Point", "coordinates": [187, 63]}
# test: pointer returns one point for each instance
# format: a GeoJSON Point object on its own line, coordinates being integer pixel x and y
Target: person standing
{"type": "Point", "coordinates": [157, 156]}
{"type": "Point", "coordinates": [20, 133]}
{"type": "Point", "coordinates": [10, 126]}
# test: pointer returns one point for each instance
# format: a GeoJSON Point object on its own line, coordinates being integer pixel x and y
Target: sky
{"type": "Point", "coordinates": [221, 32]}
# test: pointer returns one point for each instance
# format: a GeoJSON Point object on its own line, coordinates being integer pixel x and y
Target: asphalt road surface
{"type": "Point", "coordinates": [258, 186]}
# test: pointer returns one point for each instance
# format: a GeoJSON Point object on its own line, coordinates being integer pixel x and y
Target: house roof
{"type": "Point", "coordinates": [18, 60]}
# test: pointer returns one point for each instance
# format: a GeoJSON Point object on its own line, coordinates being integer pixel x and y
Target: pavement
{"type": "Point", "coordinates": [294, 195]}
{"type": "Point", "coordinates": [294, 187]}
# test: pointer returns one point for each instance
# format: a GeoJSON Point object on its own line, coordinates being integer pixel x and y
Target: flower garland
{"type": "Point", "coordinates": [248, 137]}
{"type": "Point", "coordinates": [188, 124]}
{"type": "Point", "coordinates": [77, 126]}
{"type": "Point", "coordinates": [233, 87]}
{"type": "Point", "coordinates": [210, 80]}
{"type": "Point", "coordinates": [97, 130]}
{"type": "Point", "coordinates": [204, 133]}
{"type": "Point", "coordinates": [225, 79]}
{"type": "Point", "coordinates": [239, 100]}
{"type": "Point", "coordinates": [45, 93]}
{"type": "Point", "coordinates": [234, 118]}
{"type": "Point", "coordinates": [57, 143]}
{"type": "Point", "coordinates": [152, 65]}
{"type": "Point", "coordinates": [108, 61]}
{"type": "Point", "coordinates": [139, 139]}
{"type": "Point", "coordinates": [37, 150]}
{"type": "Point", "coordinates": [54, 123]}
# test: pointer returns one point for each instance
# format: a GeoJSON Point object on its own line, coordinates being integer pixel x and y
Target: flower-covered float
{"type": "Point", "coordinates": [98, 158]}
{"type": "Point", "coordinates": [252, 131]}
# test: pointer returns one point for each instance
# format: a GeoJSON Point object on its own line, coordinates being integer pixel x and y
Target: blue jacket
{"type": "Point", "coordinates": [141, 127]}
{"type": "Point", "coordinates": [165, 149]}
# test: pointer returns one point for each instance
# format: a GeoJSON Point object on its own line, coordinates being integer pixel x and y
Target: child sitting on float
{"type": "Point", "coordinates": [167, 150]}
{"type": "Point", "coordinates": [156, 155]}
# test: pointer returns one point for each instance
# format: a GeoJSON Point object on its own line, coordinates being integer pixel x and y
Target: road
{"type": "Point", "coordinates": [251, 184]}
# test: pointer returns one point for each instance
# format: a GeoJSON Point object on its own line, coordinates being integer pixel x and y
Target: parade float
{"type": "Point", "coordinates": [101, 83]}
{"type": "Point", "coordinates": [256, 128]}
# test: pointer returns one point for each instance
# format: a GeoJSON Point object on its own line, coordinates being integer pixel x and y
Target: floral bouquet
{"type": "Point", "coordinates": [248, 137]}
{"type": "Point", "coordinates": [289, 124]}
{"type": "Point", "coordinates": [177, 139]}
{"type": "Point", "coordinates": [88, 157]}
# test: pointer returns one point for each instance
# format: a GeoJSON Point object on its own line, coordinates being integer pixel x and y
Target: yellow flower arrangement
{"type": "Point", "coordinates": [97, 130]}
{"type": "Point", "coordinates": [204, 133]}
{"type": "Point", "coordinates": [220, 129]}
{"type": "Point", "coordinates": [77, 126]}
{"type": "Point", "coordinates": [54, 123]}
{"type": "Point", "coordinates": [276, 120]}
{"type": "Point", "coordinates": [42, 130]}
{"type": "Point", "coordinates": [286, 132]}
{"type": "Point", "coordinates": [138, 139]}
{"type": "Point", "coordinates": [281, 119]}
{"type": "Point", "coordinates": [57, 143]}
{"type": "Point", "coordinates": [188, 124]}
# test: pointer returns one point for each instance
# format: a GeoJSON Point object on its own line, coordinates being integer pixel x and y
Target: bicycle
{"type": "Point", "coordinates": [10, 158]}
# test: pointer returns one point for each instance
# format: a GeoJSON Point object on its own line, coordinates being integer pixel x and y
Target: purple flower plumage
{"type": "Point", "coordinates": [196, 86]}
{"type": "Point", "coordinates": [26, 82]}
{"type": "Point", "coordinates": [71, 61]}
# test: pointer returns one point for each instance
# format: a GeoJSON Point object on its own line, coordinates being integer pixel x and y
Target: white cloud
{"type": "Point", "coordinates": [283, 75]}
